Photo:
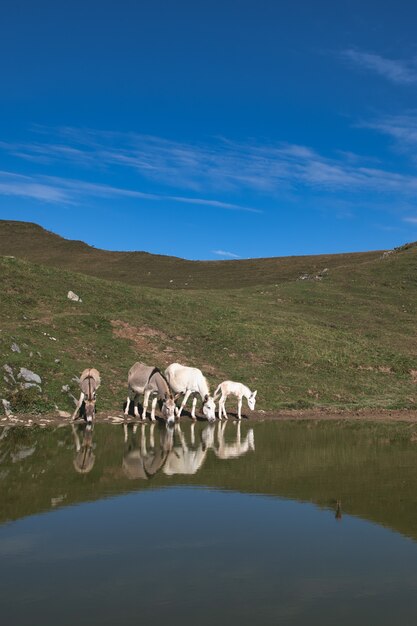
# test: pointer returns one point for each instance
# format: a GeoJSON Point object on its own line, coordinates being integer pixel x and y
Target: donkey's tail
{"type": "Point", "coordinates": [217, 393]}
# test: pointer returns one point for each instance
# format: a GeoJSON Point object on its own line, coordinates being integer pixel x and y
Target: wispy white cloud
{"type": "Point", "coordinates": [12, 184]}
{"type": "Point", "coordinates": [410, 220]}
{"type": "Point", "coordinates": [225, 253]}
{"type": "Point", "coordinates": [206, 175]}
{"type": "Point", "coordinates": [55, 190]}
{"type": "Point", "coordinates": [402, 128]}
{"type": "Point", "coordinates": [397, 71]}
{"type": "Point", "coordinates": [222, 166]}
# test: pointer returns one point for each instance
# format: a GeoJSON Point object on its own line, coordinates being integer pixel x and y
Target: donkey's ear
{"type": "Point", "coordinates": [254, 393]}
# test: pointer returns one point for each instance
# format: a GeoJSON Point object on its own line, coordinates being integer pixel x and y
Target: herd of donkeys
{"type": "Point", "coordinates": [165, 388]}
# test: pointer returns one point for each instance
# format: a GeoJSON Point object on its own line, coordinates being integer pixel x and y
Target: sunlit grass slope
{"type": "Point", "coordinates": [33, 243]}
{"type": "Point", "coordinates": [347, 340]}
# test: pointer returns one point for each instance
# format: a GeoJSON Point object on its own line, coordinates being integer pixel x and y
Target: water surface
{"type": "Point", "coordinates": [273, 523]}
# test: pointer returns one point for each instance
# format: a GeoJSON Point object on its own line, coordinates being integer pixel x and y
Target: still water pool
{"type": "Point", "coordinates": [266, 523]}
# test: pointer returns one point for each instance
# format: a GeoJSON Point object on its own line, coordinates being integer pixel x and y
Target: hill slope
{"type": "Point", "coordinates": [33, 243]}
{"type": "Point", "coordinates": [347, 340]}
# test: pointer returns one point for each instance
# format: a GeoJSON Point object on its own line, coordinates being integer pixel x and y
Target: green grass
{"type": "Point", "coordinates": [346, 341]}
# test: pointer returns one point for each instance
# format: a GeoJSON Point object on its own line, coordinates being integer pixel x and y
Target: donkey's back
{"type": "Point", "coordinates": [138, 376]}
{"type": "Point", "coordinates": [182, 378]}
{"type": "Point", "coordinates": [90, 381]}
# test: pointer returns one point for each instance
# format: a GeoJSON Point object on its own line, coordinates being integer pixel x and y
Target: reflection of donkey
{"type": "Point", "coordinates": [139, 459]}
{"type": "Point", "coordinates": [190, 380]}
{"type": "Point", "coordinates": [89, 383]}
{"type": "Point", "coordinates": [84, 456]}
{"type": "Point", "coordinates": [233, 450]}
{"type": "Point", "coordinates": [183, 459]}
{"type": "Point", "coordinates": [230, 388]}
{"type": "Point", "coordinates": [150, 381]}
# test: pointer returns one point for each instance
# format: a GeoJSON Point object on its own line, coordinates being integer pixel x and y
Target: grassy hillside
{"type": "Point", "coordinates": [33, 243]}
{"type": "Point", "coordinates": [347, 340]}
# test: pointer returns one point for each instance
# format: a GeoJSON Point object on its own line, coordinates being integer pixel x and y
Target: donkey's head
{"type": "Point", "coordinates": [252, 400]}
{"type": "Point", "coordinates": [168, 409]}
{"type": "Point", "coordinates": [209, 408]}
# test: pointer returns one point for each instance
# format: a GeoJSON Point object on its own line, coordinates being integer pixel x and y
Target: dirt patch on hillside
{"type": "Point", "coordinates": [148, 341]}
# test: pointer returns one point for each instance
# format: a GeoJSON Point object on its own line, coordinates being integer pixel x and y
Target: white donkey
{"type": "Point", "coordinates": [190, 380]}
{"type": "Point", "coordinates": [150, 381]}
{"type": "Point", "coordinates": [89, 383]}
{"type": "Point", "coordinates": [230, 388]}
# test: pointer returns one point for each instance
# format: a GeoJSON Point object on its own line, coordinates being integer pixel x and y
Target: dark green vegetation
{"type": "Point", "coordinates": [319, 462]}
{"type": "Point", "coordinates": [345, 337]}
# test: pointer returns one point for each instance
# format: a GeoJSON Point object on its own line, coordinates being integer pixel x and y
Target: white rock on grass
{"type": "Point", "coordinates": [73, 296]}
{"type": "Point", "coordinates": [7, 407]}
{"type": "Point", "coordinates": [29, 385]}
{"type": "Point", "coordinates": [28, 376]}
{"type": "Point", "coordinates": [15, 348]}
{"type": "Point", "coordinates": [9, 374]}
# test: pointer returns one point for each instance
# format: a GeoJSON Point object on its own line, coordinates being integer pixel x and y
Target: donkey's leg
{"type": "Point", "coordinates": [192, 434]}
{"type": "Point", "coordinates": [239, 408]}
{"type": "Point", "coordinates": [135, 405]}
{"type": "Point", "coordinates": [219, 411]}
{"type": "Point", "coordinates": [127, 405]}
{"type": "Point", "coordinates": [183, 403]}
{"type": "Point", "coordinates": [145, 402]}
{"type": "Point", "coordinates": [224, 398]}
{"type": "Point", "coordinates": [193, 408]}
{"type": "Point", "coordinates": [78, 405]}
{"type": "Point", "coordinates": [154, 401]}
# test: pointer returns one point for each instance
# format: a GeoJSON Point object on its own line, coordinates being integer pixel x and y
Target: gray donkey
{"type": "Point", "coordinates": [150, 381]}
{"type": "Point", "coordinates": [89, 383]}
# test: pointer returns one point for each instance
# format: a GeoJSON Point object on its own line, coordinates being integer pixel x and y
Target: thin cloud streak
{"type": "Point", "coordinates": [395, 70]}
{"type": "Point", "coordinates": [230, 255]}
{"type": "Point", "coordinates": [402, 128]}
{"type": "Point", "coordinates": [410, 220]}
{"type": "Point", "coordinates": [55, 190]}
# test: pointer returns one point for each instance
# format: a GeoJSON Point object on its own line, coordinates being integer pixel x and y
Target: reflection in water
{"type": "Point", "coordinates": [142, 459]}
{"type": "Point", "coordinates": [338, 513]}
{"type": "Point", "coordinates": [330, 464]}
{"type": "Point", "coordinates": [237, 448]}
{"type": "Point", "coordinates": [84, 448]}
{"type": "Point", "coordinates": [186, 458]}
{"type": "Point", "coordinates": [169, 451]}
{"type": "Point", "coordinates": [290, 562]}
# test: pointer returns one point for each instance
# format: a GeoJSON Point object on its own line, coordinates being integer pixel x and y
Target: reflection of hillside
{"type": "Point", "coordinates": [324, 463]}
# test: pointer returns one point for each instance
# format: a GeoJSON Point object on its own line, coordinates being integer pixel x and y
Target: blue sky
{"type": "Point", "coordinates": [208, 129]}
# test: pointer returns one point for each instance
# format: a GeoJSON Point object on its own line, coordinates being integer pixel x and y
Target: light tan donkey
{"type": "Point", "coordinates": [89, 383]}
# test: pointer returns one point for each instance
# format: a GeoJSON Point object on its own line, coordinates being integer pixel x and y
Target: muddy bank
{"type": "Point", "coordinates": [117, 417]}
